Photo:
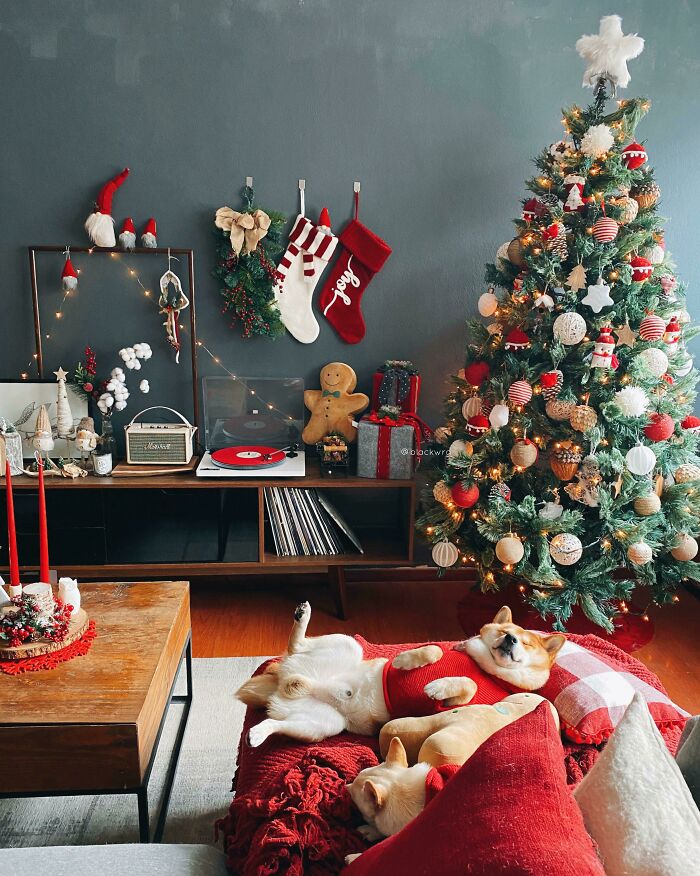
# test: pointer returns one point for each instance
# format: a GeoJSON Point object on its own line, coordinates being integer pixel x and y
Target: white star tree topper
{"type": "Point", "coordinates": [598, 296]}
{"type": "Point", "coordinates": [608, 52]}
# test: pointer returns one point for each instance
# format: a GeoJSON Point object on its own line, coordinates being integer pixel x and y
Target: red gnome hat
{"type": "Point", "coordinates": [69, 276]}
{"type": "Point", "coordinates": [99, 224]}
{"type": "Point", "coordinates": [127, 238]}
{"type": "Point", "coordinates": [148, 236]}
{"type": "Point", "coordinates": [324, 220]}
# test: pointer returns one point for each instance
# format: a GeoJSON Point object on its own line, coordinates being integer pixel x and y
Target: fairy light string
{"type": "Point", "coordinates": [147, 292]}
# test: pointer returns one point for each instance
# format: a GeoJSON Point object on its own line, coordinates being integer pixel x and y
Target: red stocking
{"type": "Point", "coordinates": [361, 255]}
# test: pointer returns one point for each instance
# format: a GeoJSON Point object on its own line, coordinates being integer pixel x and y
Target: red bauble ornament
{"type": "Point", "coordinates": [605, 229]}
{"type": "Point", "coordinates": [660, 427]}
{"type": "Point", "coordinates": [88, 387]}
{"type": "Point", "coordinates": [520, 392]}
{"type": "Point", "coordinates": [477, 425]}
{"type": "Point", "coordinates": [641, 269]}
{"type": "Point", "coordinates": [465, 495]}
{"type": "Point", "coordinates": [691, 423]}
{"type": "Point", "coordinates": [634, 156]}
{"type": "Point", "coordinates": [477, 372]}
{"type": "Point", "coordinates": [652, 328]}
{"type": "Point", "coordinates": [517, 340]}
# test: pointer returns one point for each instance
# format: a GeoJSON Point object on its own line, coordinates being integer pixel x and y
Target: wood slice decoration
{"type": "Point", "coordinates": [78, 625]}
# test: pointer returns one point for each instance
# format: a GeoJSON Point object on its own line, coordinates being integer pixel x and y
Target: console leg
{"type": "Point", "coordinates": [144, 830]}
{"type": "Point", "coordinates": [336, 575]}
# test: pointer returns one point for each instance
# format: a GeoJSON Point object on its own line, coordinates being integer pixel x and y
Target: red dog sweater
{"type": "Point", "coordinates": [405, 697]}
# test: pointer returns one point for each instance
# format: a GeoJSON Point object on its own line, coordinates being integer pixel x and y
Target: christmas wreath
{"type": "Point", "coordinates": [247, 244]}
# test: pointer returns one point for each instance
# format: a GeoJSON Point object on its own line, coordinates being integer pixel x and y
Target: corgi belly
{"type": "Point", "coordinates": [404, 693]}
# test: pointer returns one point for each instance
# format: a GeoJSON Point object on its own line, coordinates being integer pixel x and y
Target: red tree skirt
{"type": "Point", "coordinates": [79, 648]}
{"type": "Point", "coordinates": [476, 609]}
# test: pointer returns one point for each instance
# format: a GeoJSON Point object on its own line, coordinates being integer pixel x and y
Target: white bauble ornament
{"type": "Point", "coordinates": [655, 254]}
{"type": "Point", "coordinates": [596, 141]}
{"type": "Point", "coordinates": [502, 260]}
{"type": "Point", "coordinates": [685, 367]}
{"type": "Point", "coordinates": [639, 553]}
{"type": "Point", "coordinates": [510, 550]}
{"type": "Point", "coordinates": [686, 548]}
{"type": "Point", "coordinates": [445, 554]}
{"type": "Point", "coordinates": [687, 472]}
{"type": "Point", "coordinates": [499, 416]}
{"type": "Point", "coordinates": [655, 361]}
{"type": "Point", "coordinates": [569, 328]}
{"type": "Point", "coordinates": [459, 448]}
{"type": "Point", "coordinates": [471, 407]}
{"type": "Point", "coordinates": [551, 511]}
{"type": "Point", "coordinates": [566, 549]}
{"type": "Point", "coordinates": [640, 460]}
{"type": "Point", "coordinates": [488, 304]}
{"type": "Point", "coordinates": [632, 401]}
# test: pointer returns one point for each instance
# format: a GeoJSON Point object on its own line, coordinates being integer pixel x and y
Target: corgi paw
{"type": "Point", "coordinates": [406, 660]}
{"type": "Point", "coordinates": [461, 646]}
{"type": "Point", "coordinates": [350, 858]}
{"type": "Point", "coordinates": [302, 611]}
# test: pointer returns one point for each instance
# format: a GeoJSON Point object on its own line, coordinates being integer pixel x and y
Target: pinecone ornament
{"type": "Point", "coordinates": [646, 194]}
{"type": "Point", "coordinates": [628, 206]}
{"type": "Point", "coordinates": [442, 493]}
{"type": "Point", "coordinates": [557, 245]}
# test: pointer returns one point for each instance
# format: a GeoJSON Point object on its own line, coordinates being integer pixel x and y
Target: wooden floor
{"type": "Point", "coordinates": [237, 617]}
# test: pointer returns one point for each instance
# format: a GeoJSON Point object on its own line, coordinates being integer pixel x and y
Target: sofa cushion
{"type": "Point", "coordinates": [636, 804]}
{"type": "Point", "coordinates": [507, 811]}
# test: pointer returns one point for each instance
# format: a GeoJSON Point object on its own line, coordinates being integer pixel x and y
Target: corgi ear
{"type": "Point", "coordinates": [553, 644]}
{"type": "Point", "coordinates": [504, 616]}
{"type": "Point", "coordinates": [374, 793]}
{"type": "Point", "coordinates": [396, 755]}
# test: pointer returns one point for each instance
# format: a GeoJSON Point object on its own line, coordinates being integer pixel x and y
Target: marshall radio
{"type": "Point", "coordinates": [159, 443]}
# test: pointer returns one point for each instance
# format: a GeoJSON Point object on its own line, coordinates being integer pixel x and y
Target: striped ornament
{"type": "Point", "coordinates": [652, 328]}
{"type": "Point", "coordinates": [520, 392]}
{"type": "Point", "coordinates": [605, 230]}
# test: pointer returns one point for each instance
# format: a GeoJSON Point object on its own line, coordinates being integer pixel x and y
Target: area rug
{"type": "Point", "coordinates": [201, 792]}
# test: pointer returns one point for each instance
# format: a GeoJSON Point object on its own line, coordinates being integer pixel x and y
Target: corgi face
{"type": "Point", "coordinates": [389, 795]}
{"type": "Point", "coordinates": [513, 654]}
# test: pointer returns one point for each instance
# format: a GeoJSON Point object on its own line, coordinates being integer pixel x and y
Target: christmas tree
{"type": "Point", "coordinates": [571, 464]}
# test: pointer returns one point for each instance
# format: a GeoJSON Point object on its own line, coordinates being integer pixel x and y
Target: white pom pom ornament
{"type": "Point", "coordinates": [632, 401]}
{"type": "Point", "coordinates": [499, 416]}
{"type": "Point", "coordinates": [596, 141]}
{"type": "Point", "coordinates": [655, 361]}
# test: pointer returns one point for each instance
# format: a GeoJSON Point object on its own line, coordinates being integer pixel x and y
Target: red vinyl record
{"type": "Point", "coordinates": [247, 457]}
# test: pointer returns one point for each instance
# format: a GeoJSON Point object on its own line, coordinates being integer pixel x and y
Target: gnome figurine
{"type": "Point", "coordinates": [100, 224]}
{"type": "Point", "coordinates": [603, 356]}
{"type": "Point", "coordinates": [86, 440]}
{"type": "Point", "coordinates": [149, 236]}
{"type": "Point", "coordinates": [43, 436]}
{"type": "Point", "coordinates": [127, 236]}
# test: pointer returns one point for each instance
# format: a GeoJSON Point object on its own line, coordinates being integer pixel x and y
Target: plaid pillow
{"type": "Point", "coordinates": [591, 692]}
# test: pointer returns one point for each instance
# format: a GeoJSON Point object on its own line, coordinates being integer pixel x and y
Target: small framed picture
{"type": "Point", "coordinates": [21, 401]}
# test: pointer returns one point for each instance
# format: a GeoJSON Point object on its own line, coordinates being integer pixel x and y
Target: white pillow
{"type": "Point", "coordinates": [636, 804]}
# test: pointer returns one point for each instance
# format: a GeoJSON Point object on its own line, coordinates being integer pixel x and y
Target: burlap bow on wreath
{"type": "Point", "coordinates": [244, 228]}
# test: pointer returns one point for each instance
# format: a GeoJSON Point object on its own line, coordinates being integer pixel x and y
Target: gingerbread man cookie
{"type": "Point", "coordinates": [334, 404]}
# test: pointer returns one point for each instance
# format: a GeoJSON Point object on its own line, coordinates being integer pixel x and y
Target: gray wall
{"type": "Point", "coordinates": [436, 106]}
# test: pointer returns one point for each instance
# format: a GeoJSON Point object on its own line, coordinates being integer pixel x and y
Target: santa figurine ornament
{"type": "Point", "coordinates": [148, 236]}
{"type": "Point", "coordinates": [127, 237]}
{"type": "Point", "coordinates": [100, 224]}
{"type": "Point", "coordinates": [603, 355]}
{"type": "Point", "coordinates": [69, 276]}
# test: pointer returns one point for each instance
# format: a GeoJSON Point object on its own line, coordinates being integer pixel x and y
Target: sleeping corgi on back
{"type": "Point", "coordinates": [324, 685]}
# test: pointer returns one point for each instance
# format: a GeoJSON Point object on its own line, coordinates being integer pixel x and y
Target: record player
{"type": "Point", "coordinates": [252, 427]}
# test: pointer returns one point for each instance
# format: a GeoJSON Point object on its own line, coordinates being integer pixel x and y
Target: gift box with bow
{"type": "Point", "coordinates": [389, 444]}
{"type": "Point", "coordinates": [397, 382]}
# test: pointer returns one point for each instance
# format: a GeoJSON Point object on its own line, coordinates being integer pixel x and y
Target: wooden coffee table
{"type": "Point", "coordinates": [92, 725]}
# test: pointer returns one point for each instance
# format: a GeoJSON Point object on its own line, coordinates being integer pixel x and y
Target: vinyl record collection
{"type": "Point", "coordinates": [304, 523]}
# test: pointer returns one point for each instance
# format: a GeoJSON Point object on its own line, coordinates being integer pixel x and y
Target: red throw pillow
{"type": "Point", "coordinates": [507, 812]}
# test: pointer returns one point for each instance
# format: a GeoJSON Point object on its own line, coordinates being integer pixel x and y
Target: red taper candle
{"type": "Point", "coordinates": [43, 530]}
{"type": "Point", "coordinates": [11, 531]}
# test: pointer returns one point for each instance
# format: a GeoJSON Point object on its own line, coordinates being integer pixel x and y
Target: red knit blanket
{"type": "Point", "coordinates": [292, 814]}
